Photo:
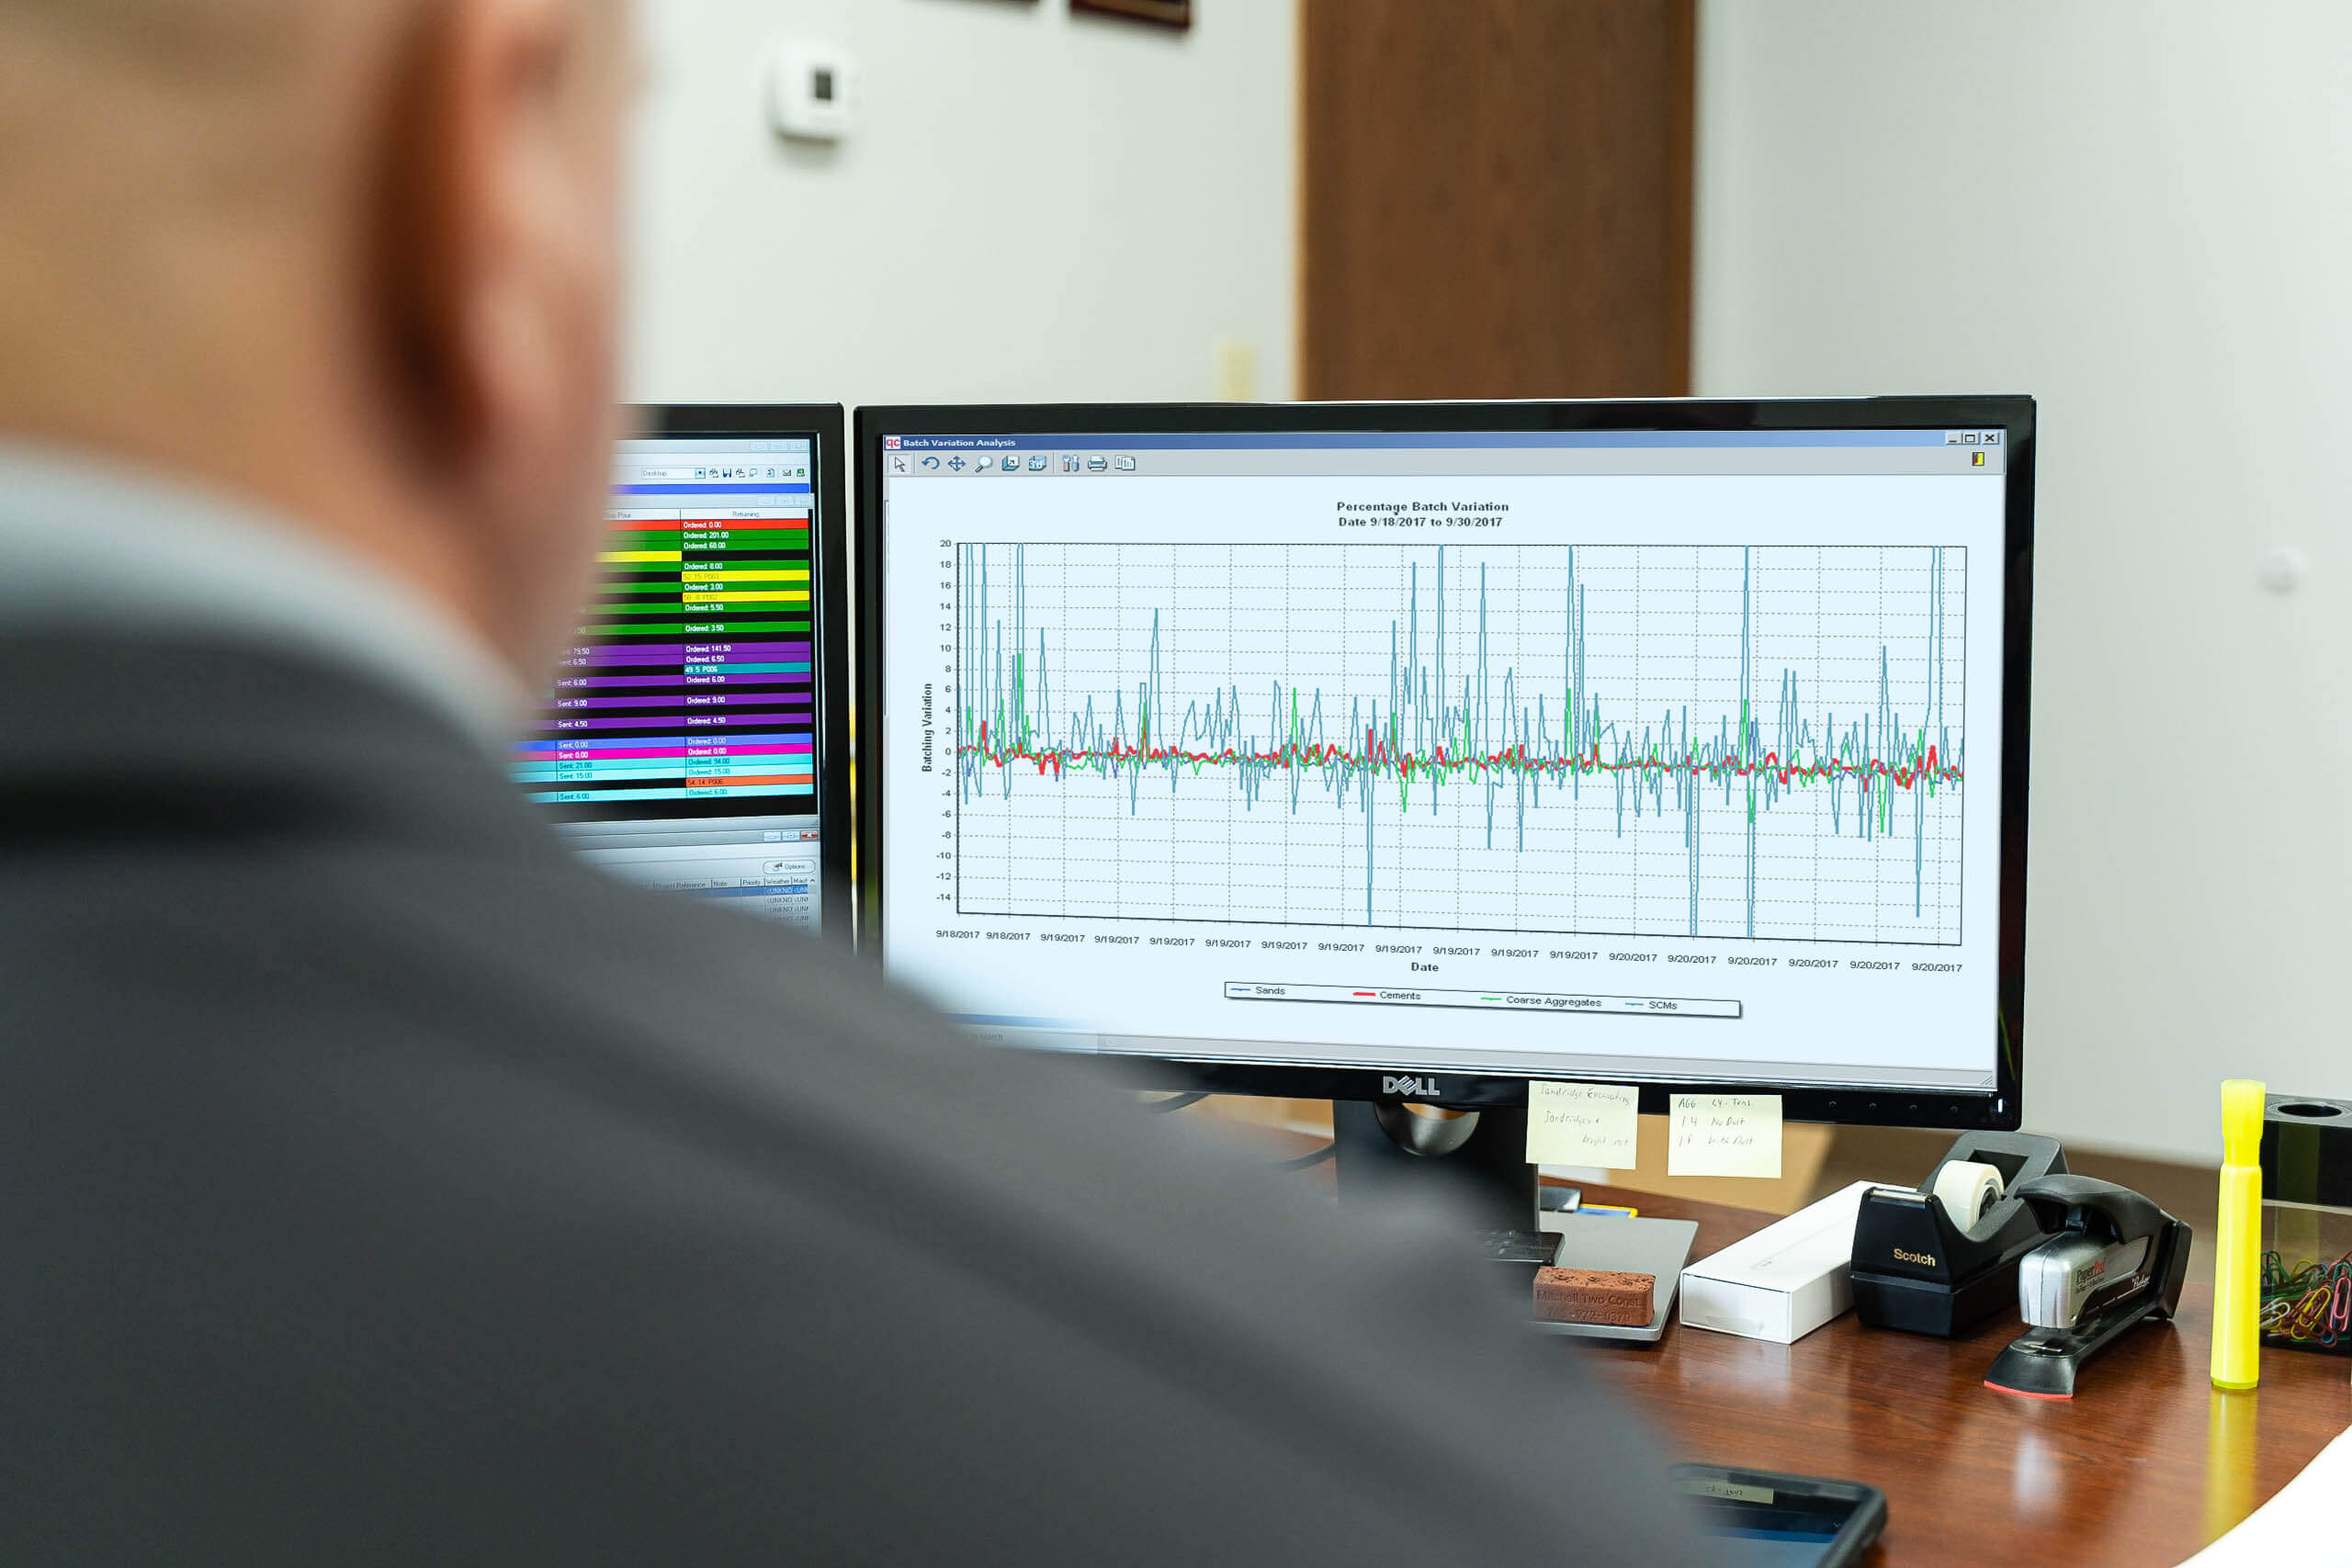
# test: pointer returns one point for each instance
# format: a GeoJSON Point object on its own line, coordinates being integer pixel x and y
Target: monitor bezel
{"type": "Point", "coordinates": [2012, 414]}
{"type": "Point", "coordinates": [826, 424]}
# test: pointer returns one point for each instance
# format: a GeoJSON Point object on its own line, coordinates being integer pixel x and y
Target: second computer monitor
{"type": "Point", "coordinates": [696, 737]}
{"type": "Point", "coordinates": [1418, 750]}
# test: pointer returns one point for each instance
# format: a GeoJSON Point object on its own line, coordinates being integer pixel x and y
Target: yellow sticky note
{"type": "Point", "coordinates": [1582, 1124]}
{"type": "Point", "coordinates": [1724, 1134]}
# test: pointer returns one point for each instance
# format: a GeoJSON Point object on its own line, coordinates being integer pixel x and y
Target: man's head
{"type": "Point", "coordinates": [353, 258]}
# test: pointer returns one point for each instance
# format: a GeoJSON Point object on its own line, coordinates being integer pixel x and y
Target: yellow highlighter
{"type": "Point", "coordinates": [2237, 1240]}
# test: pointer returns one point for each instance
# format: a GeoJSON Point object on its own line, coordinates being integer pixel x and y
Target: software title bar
{"type": "Point", "coordinates": [1409, 439]}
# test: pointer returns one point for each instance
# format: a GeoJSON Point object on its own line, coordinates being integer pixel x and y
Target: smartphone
{"type": "Point", "coordinates": [1766, 1520]}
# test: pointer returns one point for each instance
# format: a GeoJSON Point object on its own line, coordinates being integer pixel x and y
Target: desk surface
{"type": "Point", "coordinates": [2144, 1467]}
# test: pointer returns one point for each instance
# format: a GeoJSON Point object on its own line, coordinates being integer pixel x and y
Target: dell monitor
{"type": "Point", "coordinates": [696, 737]}
{"type": "Point", "coordinates": [1407, 753]}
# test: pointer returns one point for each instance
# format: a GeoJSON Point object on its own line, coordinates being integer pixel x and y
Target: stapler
{"type": "Point", "coordinates": [1921, 1267]}
{"type": "Point", "coordinates": [2116, 1260]}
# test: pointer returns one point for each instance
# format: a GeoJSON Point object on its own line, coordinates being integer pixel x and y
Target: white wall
{"type": "Point", "coordinates": [2142, 213]}
{"type": "Point", "coordinates": [1036, 206]}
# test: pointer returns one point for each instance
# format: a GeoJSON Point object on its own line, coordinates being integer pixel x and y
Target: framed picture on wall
{"type": "Point", "coordinates": [1167, 13]}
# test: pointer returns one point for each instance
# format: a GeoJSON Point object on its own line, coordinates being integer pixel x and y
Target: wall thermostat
{"type": "Point", "coordinates": [812, 90]}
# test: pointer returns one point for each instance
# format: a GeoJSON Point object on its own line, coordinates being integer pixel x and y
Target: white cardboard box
{"type": "Point", "coordinates": [1785, 1281]}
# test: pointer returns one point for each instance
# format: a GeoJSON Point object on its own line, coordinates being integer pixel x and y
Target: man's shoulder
{"type": "Point", "coordinates": [477, 1092]}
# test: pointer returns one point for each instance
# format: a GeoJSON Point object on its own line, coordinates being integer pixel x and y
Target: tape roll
{"type": "Point", "coordinates": [1966, 1190]}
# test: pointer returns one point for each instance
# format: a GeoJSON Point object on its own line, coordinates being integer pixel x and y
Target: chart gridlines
{"type": "Point", "coordinates": [1588, 741]}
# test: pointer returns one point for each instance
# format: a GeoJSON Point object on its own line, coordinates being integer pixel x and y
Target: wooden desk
{"type": "Point", "coordinates": [2144, 1467]}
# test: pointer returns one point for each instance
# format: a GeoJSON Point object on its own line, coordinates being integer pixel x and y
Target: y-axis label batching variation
{"type": "Point", "coordinates": [1597, 739]}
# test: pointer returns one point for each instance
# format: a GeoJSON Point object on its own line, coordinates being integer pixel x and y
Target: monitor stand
{"type": "Point", "coordinates": [1402, 1155]}
{"type": "Point", "coordinates": [1388, 1153]}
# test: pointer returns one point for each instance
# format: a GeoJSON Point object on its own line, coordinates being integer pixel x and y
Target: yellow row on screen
{"type": "Point", "coordinates": [788, 596]}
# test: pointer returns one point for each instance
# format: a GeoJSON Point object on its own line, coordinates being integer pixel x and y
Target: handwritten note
{"type": "Point", "coordinates": [1582, 1124]}
{"type": "Point", "coordinates": [1724, 1134]}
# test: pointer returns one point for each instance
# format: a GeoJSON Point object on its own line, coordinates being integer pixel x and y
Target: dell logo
{"type": "Point", "coordinates": [1426, 1088]}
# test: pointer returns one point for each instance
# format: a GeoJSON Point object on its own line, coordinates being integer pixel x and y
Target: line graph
{"type": "Point", "coordinates": [1596, 739]}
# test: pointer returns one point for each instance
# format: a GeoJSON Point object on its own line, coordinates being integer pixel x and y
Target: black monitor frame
{"type": "Point", "coordinates": [2014, 415]}
{"type": "Point", "coordinates": [824, 423]}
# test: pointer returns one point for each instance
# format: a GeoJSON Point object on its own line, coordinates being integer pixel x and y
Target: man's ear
{"type": "Point", "coordinates": [468, 346]}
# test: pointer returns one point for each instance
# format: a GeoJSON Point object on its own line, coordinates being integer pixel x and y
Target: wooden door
{"type": "Point", "coordinates": [1495, 198]}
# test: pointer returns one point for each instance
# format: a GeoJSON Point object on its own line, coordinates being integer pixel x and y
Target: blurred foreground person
{"type": "Point", "coordinates": [384, 1186]}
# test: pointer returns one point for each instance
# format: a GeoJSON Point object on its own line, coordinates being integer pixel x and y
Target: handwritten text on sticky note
{"type": "Point", "coordinates": [1724, 1134]}
{"type": "Point", "coordinates": [1582, 1124]}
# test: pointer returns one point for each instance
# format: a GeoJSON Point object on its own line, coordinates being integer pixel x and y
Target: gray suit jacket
{"type": "Point", "coordinates": [384, 1186]}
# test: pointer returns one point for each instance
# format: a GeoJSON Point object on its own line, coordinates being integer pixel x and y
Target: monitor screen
{"type": "Point", "coordinates": [1664, 755]}
{"type": "Point", "coordinates": [684, 742]}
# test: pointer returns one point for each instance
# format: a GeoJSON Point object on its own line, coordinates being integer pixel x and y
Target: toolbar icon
{"type": "Point", "coordinates": [1037, 462]}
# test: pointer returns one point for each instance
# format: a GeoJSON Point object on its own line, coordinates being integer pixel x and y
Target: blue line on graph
{"type": "Point", "coordinates": [1437, 729]}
